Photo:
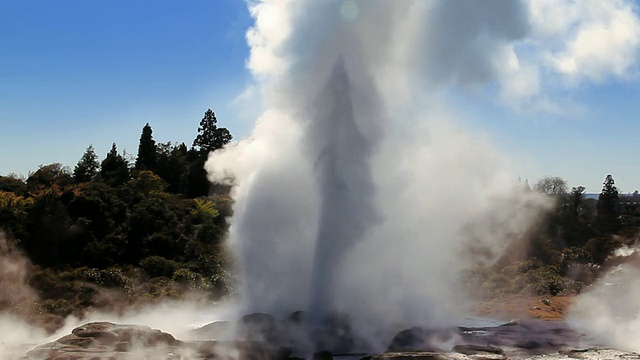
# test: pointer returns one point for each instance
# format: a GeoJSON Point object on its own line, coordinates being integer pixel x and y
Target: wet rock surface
{"type": "Point", "coordinates": [263, 337]}
{"type": "Point", "coordinates": [104, 340]}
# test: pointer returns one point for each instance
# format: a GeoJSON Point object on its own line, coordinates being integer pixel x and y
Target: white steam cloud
{"type": "Point", "coordinates": [610, 311]}
{"type": "Point", "coordinates": [357, 191]}
{"type": "Point", "coordinates": [16, 334]}
{"type": "Point", "coordinates": [14, 276]}
{"type": "Point", "coordinates": [570, 43]}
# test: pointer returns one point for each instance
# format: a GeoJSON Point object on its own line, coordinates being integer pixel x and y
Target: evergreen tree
{"type": "Point", "coordinates": [173, 167]}
{"type": "Point", "coordinates": [607, 205]}
{"type": "Point", "coordinates": [210, 136]}
{"type": "Point", "coordinates": [87, 168]}
{"type": "Point", "coordinates": [114, 169]}
{"type": "Point", "coordinates": [180, 169]}
{"type": "Point", "coordinates": [198, 184]}
{"type": "Point", "coordinates": [147, 157]}
{"type": "Point", "coordinates": [577, 196]}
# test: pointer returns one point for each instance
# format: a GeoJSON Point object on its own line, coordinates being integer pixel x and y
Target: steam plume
{"type": "Point", "coordinates": [14, 266]}
{"type": "Point", "coordinates": [357, 190]}
{"type": "Point", "coordinates": [609, 311]}
{"type": "Point", "coordinates": [15, 290]}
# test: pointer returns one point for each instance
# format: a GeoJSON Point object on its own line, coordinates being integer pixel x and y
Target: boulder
{"type": "Point", "coordinates": [219, 330]}
{"type": "Point", "coordinates": [258, 327]}
{"type": "Point", "coordinates": [101, 339]}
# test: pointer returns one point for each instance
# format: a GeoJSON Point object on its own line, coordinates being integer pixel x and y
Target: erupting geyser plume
{"type": "Point", "coordinates": [338, 209]}
{"type": "Point", "coordinates": [341, 152]}
{"type": "Point", "coordinates": [357, 191]}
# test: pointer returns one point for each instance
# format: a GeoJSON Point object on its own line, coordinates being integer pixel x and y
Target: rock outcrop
{"type": "Point", "coordinates": [262, 337]}
{"type": "Point", "coordinates": [103, 340]}
{"type": "Point", "coordinates": [108, 341]}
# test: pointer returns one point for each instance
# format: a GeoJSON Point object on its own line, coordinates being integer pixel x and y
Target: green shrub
{"type": "Point", "coordinates": [156, 266]}
{"type": "Point", "coordinates": [161, 287]}
{"type": "Point", "coordinates": [111, 277]}
{"type": "Point", "coordinates": [190, 280]}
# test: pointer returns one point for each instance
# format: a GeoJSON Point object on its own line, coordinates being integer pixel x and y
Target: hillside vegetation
{"type": "Point", "coordinates": [116, 233]}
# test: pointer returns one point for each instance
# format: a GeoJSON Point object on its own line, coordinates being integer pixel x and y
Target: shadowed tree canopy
{"type": "Point", "coordinates": [13, 183]}
{"type": "Point", "coordinates": [147, 157]}
{"type": "Point", "coordinates": [87, 168]}
{"type": "Point", "coordinates": [173, 167]}
{"type": "Point", "coordinates": [49, 175]}
{"type": "Point", "coordinates": [210, 136]}
{"type": "Point", "coordinates": [147, 182]}
{"type": "Point", "coordinates": [114, 169]}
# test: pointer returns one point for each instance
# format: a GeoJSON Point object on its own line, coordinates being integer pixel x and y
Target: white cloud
{"type": "Point", "coordinates": [588, 40]}
{"type": "Point", "coordinates": [568, 43]}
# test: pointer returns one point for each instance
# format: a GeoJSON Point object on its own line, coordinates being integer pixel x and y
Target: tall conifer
{"type": "Point", "coordinates": [147, 152]}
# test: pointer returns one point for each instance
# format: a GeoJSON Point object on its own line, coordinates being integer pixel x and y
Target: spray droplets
{"type": "Point", "coordinates": [349, 10]}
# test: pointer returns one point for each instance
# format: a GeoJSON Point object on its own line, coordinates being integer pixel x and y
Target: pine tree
{"type": "Point", "coordinates": [147, 157]}
{"type": "Point", "coordinates": [87, 168]}
{"type": "Point", "coordinates": [577, 197]}
{"type": "Point", "coordinates": [114, 169]}
{"type": "Point", "coordinates": [210, 136]}
{"type": "Point", "coordinates": [607, 205]}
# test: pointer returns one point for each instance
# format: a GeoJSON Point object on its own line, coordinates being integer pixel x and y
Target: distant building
{"type": "Point", "coordinates": [629, 208]}
{"type": "Point", "coordinates": [629, 205]}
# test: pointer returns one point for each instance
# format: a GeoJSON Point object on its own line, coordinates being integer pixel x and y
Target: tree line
{"type": "Point", "coordinates": [150, 227]}
{"type": "Point", "coordinates": [567, 249]}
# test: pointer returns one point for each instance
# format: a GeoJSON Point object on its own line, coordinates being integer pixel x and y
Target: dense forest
{"type": "Point", "coordinates": [149, 229]}
{"type": "Point", "coordinates": [153, 228]}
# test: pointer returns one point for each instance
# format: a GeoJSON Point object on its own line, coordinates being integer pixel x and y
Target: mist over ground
{"type": "Point", "coordinates": [609, 310]}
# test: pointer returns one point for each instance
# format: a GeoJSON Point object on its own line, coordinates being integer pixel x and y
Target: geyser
{"type": "Point", "coordinates": [330, 214]}
{"type": "Point", "coordinates": [357, 192]}
{"type": "Point", "coordinates": [344, 180]}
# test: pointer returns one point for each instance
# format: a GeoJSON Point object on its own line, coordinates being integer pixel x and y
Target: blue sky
{"type": "Point", "coordinates": [75, 73]}
{"type": "Point", "coordinates": [80, 72]}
